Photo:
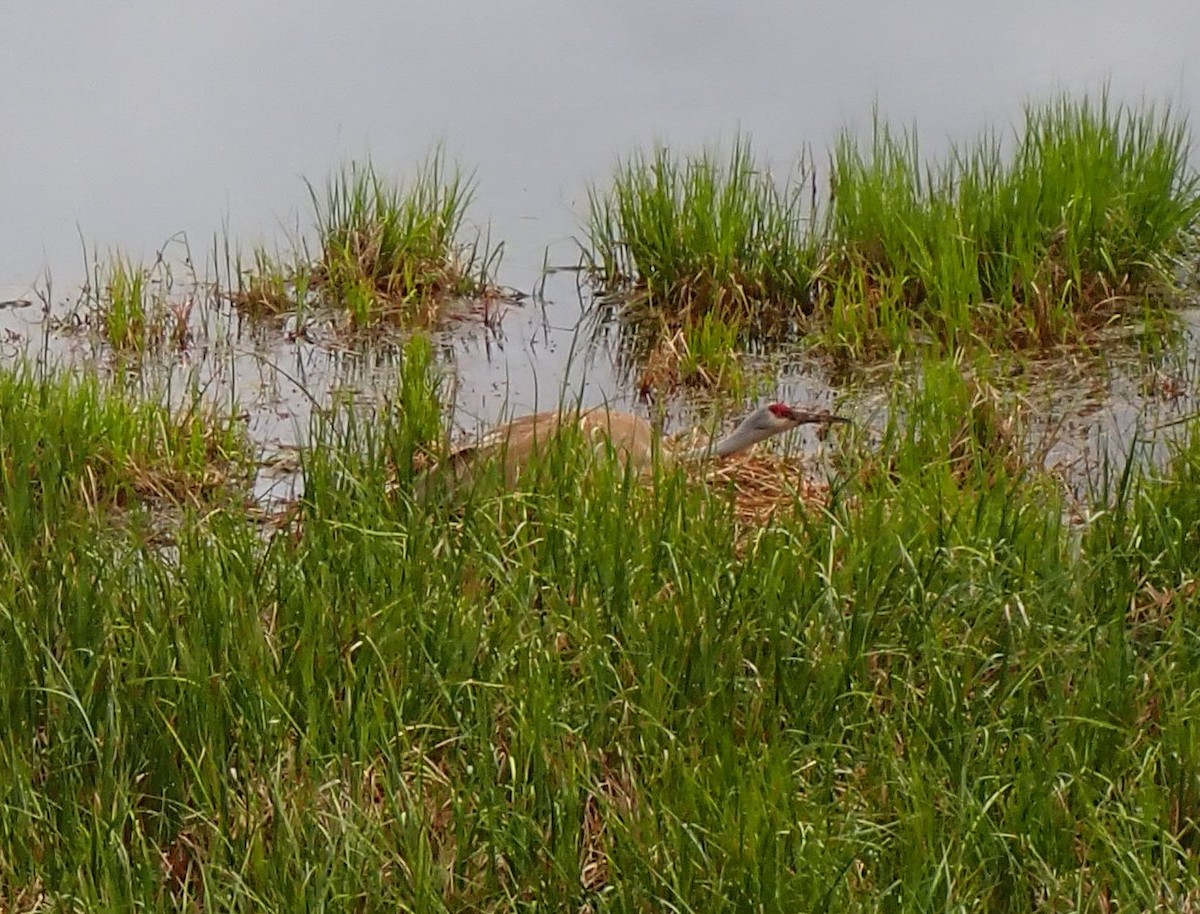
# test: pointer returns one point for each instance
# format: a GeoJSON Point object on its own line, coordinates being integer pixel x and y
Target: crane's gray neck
{"type": "Point", "coordinates": [735, 442]}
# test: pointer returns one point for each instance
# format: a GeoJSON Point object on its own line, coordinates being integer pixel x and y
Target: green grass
{"type": "Point", "coordinates": [710, 356]}
{"type": "Point", "coordinates": [395, 252]}
{"type": "Point", "coordinates": [77, 448]}
{"type": "Point", "coordinates": [129, 321]}
{"type": "Point", "coordinates": [388, 252]}
{"type": "Point", "coordinates": [936, 695]}
{"type": "Point", "coordinates": [1078, 220]}
{"type": "Point", "coordinates": [1080, 223]}
{"type": "Point", "coordinates": [704, 235]}
{"type": "Point", "coordinates": [130, 306]}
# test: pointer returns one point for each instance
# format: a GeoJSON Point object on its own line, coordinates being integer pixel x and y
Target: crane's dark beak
{"type": "Point", "coordinates": [810, 417]}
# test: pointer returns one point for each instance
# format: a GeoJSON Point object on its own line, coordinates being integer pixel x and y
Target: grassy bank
{"type": "Point", "coordinates": [1036, 239]}
{"type": "Point", "coordinates": [593, 696]}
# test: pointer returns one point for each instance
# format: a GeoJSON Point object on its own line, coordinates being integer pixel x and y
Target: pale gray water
{"type": "Point", "coordinates": [127, 122]}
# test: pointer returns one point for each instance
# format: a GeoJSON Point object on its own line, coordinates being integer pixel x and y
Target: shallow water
{"type": "Point", "coordinates": [128, 123]}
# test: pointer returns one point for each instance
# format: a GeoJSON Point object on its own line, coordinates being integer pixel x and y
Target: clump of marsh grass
{"type": "Point", "coordinates": [704, 235]}
{"type": "Point", "coordinates": [130, 318]}
{"type": "Point", "coordinates": [128, 303]}
{"type": "Point", "coordinates": [1077, 220]}
{"type": "Point", "coordinates": [140, 310]}
{"type": "Point", "coordinates": [1080, 223]}
{"type": "Point", "coordinates": [387, 252]}
{"type": "Point", "coordinates": [391, 252]}
{"type": "Point", "coordinates": [72, 447]}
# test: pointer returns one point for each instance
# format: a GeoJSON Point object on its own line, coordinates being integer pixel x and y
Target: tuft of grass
{"type": "Point", "coordinates": [1081, 222]}
{"type": "Point", "coordinates": [129, 322]}
{"type": "Point", "coordinates": [701, 235]}
{"type": "Point", "coordinates": [127, 303]}
{"type": "Point", "coordinates": [387, 252]}
{"type": "Point", "coordinates": [391, 252]}
{"type": "Point", "coordinates": [72, 448]}
{"type": "Point", "coordinates": [136, 309]}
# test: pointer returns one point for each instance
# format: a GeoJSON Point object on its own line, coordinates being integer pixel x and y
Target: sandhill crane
{"type": "Point", "coordinates": [632, 437]}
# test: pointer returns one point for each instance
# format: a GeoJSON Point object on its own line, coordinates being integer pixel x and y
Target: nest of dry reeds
{"type": "Point", "coordinates": [762, 485]}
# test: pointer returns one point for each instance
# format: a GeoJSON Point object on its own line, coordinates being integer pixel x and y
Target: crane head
{"type": "Point", "coordinates": [782, 417]}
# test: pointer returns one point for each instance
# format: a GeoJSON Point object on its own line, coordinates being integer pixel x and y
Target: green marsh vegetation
{"type": "Point", "coordinates": [699, 249]}
{"type": "Point", "coordinates": [935, 693]}
{"type": "Point", "coordinates": [131, 306]}
{"type": "Point", "coordinates": [78, 451]}
{"type": "Point", "coordinates": [937, 689]}
{"type": "Point", "coordinates": [387, 252]}
{"type": "Point", "coordinates": [704, 236]}
{"type": "Point", "coordinates": [1082, 222]}
{"type": "Point", "coordinates": [1034, 240]}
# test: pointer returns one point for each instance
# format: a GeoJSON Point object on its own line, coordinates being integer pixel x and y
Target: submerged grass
{"type": "Point", "coordinates": [934, 693]}
{"type": "Point", "coordinates": [1078, 220]}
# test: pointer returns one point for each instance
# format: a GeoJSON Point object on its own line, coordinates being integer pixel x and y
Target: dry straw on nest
{"type": "Point", "coordinates": [762, 485]}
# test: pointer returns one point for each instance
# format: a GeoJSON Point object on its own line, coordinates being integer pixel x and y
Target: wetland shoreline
{"type": "Point", "coordinates": [941, 672]}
